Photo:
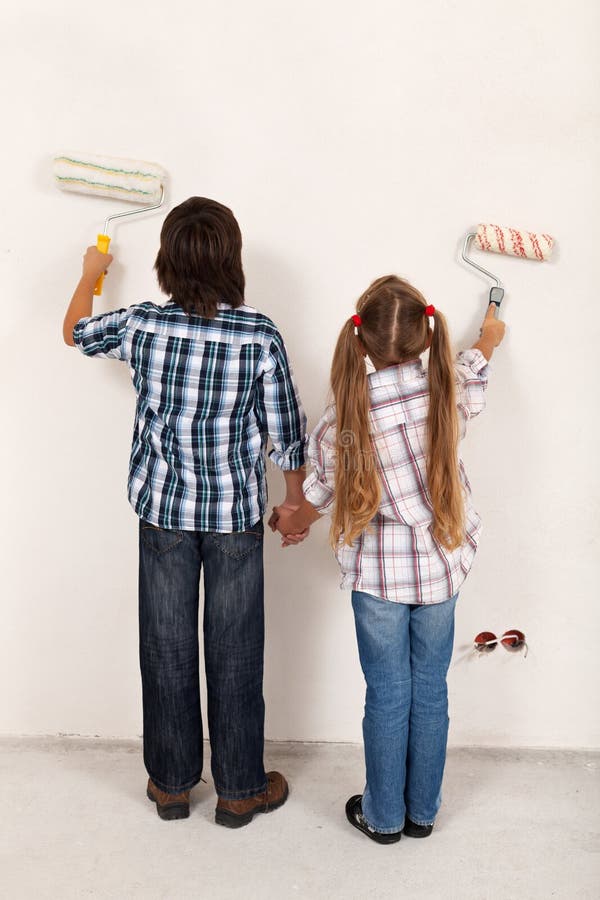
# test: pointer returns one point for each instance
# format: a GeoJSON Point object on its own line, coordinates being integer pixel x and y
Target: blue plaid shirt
{"type": "Point", "coordinates": [209, 394]}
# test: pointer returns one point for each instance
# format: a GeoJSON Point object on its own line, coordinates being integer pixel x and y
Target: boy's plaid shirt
{"type": "Point", "coordinates": [209, 393]}
{"type": "Point", "coordinates": [396, 557]}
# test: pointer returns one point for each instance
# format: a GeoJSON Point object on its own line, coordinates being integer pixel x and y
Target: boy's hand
{"type": "Point", "coordinates": [95, 262]}
{"type": "Point", "coordinates": [493, 329]}
{"type": "Point", "coordinates": [279, 521]}
{"type": "Point", "coordinates": [277, 510]}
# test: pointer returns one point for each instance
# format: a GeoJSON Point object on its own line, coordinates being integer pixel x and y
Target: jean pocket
{"type": "Point", "coordinates": [160, 540]}
{"type": "Point", "coordinates": [239, 544]}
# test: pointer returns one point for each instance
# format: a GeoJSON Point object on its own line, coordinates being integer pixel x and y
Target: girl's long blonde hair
{"type": "Point", "coordinates": [394, 330]}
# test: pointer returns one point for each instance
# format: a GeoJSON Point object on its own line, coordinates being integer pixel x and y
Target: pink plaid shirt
{"type": "Point", "coordinates": [396, 557]}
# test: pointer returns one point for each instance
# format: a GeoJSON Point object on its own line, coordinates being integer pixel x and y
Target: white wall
{"type": "Point", "coordinates": [351, 140]}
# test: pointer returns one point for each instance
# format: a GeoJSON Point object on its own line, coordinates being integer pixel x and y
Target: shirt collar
{"type": "Point", "coordinates": [393, 374]}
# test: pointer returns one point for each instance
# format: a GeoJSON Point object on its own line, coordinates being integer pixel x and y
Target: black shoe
{"type": "Point", "coordinates": [411, 829]}
{"type": "Point", "coordinates": [355, 817]}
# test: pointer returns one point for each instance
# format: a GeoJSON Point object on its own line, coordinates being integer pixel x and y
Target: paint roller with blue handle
{"type": "Point", "coordinates": [131, 180]}
{"type": "Point", "coordinates": [511, 242]}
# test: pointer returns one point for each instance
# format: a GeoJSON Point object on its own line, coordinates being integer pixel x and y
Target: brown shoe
{"type": "Point", "coordinates": [169, 806]}
{"type": "Point", "coordinates": [235, 813]}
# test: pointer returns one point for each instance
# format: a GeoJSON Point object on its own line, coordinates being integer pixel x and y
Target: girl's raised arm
{"type": "Point", "coordinates": [492, 333]}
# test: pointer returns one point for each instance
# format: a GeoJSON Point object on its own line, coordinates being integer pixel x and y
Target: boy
{"type": "Point", "coordinates": [213, 382]}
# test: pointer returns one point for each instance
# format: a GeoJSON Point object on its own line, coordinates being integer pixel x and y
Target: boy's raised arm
{"type": "Point", "coordinates": [80, 307]}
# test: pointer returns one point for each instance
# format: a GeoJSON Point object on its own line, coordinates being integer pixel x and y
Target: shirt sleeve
{"type": "Point", "coordinates": [103, 335]}
{"type": "Point", "coordinates": [280, 409]}
{"type": "Point", "coordinates": [472, 370]}
{"type": "Point", "coordinates": [319, 487]}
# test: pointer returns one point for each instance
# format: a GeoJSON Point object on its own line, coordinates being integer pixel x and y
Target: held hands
{"type": "Point", "coordinates": [95, 263]}
{"type": "Point", "coordinates": [280, 521]}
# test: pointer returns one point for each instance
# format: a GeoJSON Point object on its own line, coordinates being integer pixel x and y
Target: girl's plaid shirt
{"type": "Point", "coordinates": [209, 394]}
{"type": "Point", "coordinates": [396, 557]}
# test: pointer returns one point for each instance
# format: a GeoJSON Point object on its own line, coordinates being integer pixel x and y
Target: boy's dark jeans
{"type": "Point", "coordinates": [170, 565]}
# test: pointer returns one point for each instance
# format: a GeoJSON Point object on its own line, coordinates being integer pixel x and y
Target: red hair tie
{"type": "Point", "coordinates": [357, 321]}
{"type": "Point", "coordinates": [429, 310]}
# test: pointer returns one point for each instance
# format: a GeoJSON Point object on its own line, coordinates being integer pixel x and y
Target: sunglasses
{"type": "Point", "coordinates": [486, 641]}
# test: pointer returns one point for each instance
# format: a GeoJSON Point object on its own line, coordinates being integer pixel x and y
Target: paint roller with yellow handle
{"type": "Point", "coordinates": [511, 242]}
{"type": "Point", "coordinates": [131, 180]}
{"type": "Point", "coordinates": [102, 243]}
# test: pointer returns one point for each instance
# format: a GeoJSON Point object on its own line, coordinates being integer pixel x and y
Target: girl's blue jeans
{"type": "Point", "coordinates": [405, 652]}
{"type": "Point", "coordinates": [170, 567]}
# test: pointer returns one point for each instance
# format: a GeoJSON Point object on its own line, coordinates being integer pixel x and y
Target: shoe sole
{"type": "Point", "coordinates": [413, 834]}
{"type": "Point", "coordinates": [173, 811]}
{"type": "Point", "coordinates": [233, 820]}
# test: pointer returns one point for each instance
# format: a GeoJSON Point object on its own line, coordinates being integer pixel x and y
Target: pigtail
{"type": "Point", "coordinates": [357, 487]}
{"type": "Point", "coordinates": [445, 488]}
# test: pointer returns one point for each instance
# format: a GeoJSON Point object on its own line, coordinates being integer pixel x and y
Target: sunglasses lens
{"type": "Point", "coordinates": [513, 639]}
{"type": "Point", "coordinates": [485, 642]}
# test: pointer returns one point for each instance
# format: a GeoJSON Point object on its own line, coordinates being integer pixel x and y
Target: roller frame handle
{"type": "Point", "coordinates": [496, 297]}
{"type": "Point", "coordinates": [102, 243]}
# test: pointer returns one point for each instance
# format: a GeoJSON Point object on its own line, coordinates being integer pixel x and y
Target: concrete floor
{"type": "Point", "coordinates": [77, 824]}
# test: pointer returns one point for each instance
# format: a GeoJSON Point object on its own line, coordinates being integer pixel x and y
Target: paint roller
{"type": "Point", "coordinates": [131, 180]}
{"type": "Point", "coordinates": [508, 241]}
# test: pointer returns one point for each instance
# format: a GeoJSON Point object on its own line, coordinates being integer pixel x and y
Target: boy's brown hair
{"type": "Point", "coordinates": [199, 263]}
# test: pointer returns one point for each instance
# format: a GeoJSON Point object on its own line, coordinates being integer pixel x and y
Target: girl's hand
{"type": "Point", "coordinates": [290, 540]}
{"type": "Point", "coordinates": [95, 262]}
{"type": "Point", "coordinates": [493, 329]}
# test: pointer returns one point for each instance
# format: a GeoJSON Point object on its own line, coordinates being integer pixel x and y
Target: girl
{"type": "Point", "coordinates": [386, 466]}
